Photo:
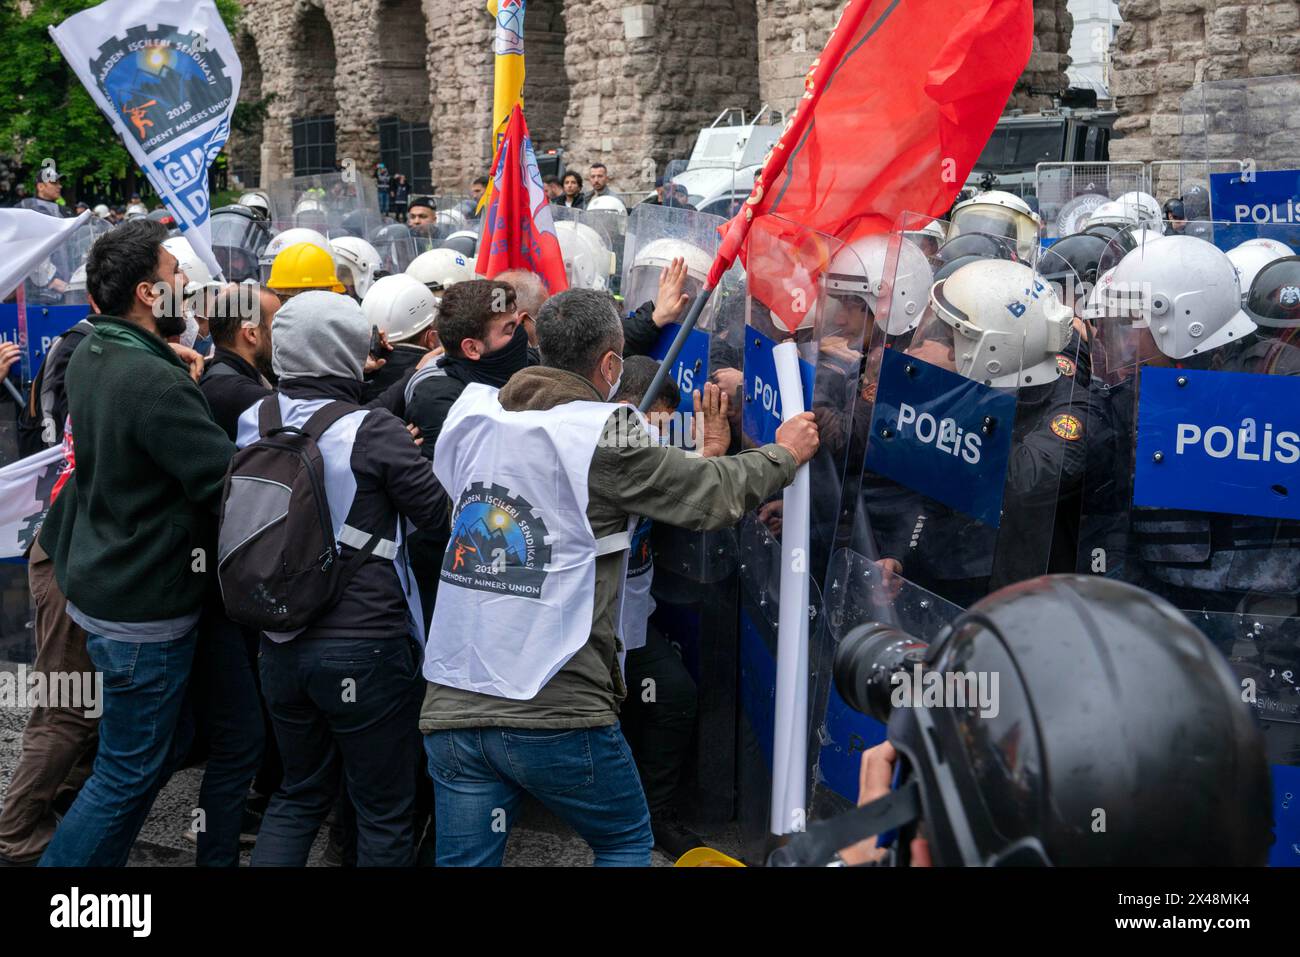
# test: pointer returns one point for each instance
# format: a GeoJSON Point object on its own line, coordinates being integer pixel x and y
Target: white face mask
{"type": "Point", "coordinates": [613, 389]}
{"type": "Point", "coordinates": [191, 332]}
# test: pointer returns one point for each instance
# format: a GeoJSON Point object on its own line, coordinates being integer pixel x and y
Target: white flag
{"type": "Point", "coordinates": [166, 75]}
{"type": "Point", "coordinates": [26, 238]}
{"type": "Point", "coordinates": [26, 489]}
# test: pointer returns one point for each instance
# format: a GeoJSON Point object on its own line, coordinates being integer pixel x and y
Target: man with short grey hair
{"type": "Point", "coordinates": [548, 478]}
{"type": "Point", "coordinates": [530, 294]}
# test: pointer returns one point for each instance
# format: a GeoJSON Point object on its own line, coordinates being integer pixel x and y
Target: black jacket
{"type": "Point", "coordinates": [392, 479]}
{"type": "Point", "coordinates": [231, 385]}
{"type": "Point", "coordinates": [50, 381]}
{"type": "Point", "coordinates": [401, 363]}
{"type": "Point", "coordinates": [639, 331]}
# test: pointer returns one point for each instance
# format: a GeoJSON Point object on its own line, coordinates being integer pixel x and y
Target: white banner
{"type": "Point", "coordinates": [166, 75]}
{"type": "Point", "coordinates": [26, 239]}
{"type": "Point", "coordinates": [26, 487]}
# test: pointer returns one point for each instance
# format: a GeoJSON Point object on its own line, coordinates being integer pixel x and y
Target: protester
{"type": "Point", "coordinates": [401, 193]}
{"type": "Point", "coordinates": [303, 267]}
{"type": "Point", "coordinates": [553, 188]}
{"type": "Point", "coordinates": [130, 535]}
{"type": "Point", "coordinates": [530, 295]}
{"type": "Point", "coordinates": [537, 711]}
{"type": "Point", "coordinates": [485, 342]}
{"type": "Point", "coordinates": [375, 477]}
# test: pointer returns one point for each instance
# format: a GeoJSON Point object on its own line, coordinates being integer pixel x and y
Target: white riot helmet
{"type": "Point", "coordinates": [400, 305]}
{"type": "Point", "coordinates": [1252, 256]}
{"type": "Point", "coordinates": [102, 211]}
{"type": "Point", "coordinates": [653, 258]}
{"type": "Point", "coordinates": [137, 211]}
{"type": "Point", "coordinates": [1008, 325]}
{"type": "Point", "coordinates": [451, 219]}
{"type": "Point", "coordinates": [358, 260]}
{"type": "Point", "coordinates": [1142, 207]}
{"type": "Point", "coordinates": [282, 241]}
{"type": "Point", "coordinates": [439, 268]}
{"type": "Point", "coordinates": [588, 262]}
{"type": "Point", "coordinates": [610, 204]}
{"type": "Point", "coordinates": [197, 274]}
{"type": "Point", "coordinates": [258, 203]}
{"type": "Point", "coordinates": [911, 280]}
{"type": "Point", "coordinates": [1183, 289]}
{"type": "Point", "coordinates": [463, 241]}
{"type": "Point", "coordinates": [1114, 213]}
{"type": "Point", "coordinates": [999, 214]}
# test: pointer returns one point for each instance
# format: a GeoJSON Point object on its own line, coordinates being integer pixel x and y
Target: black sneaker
{"type": "Point", "coordinates": [674, 838]}
{"type": "Point", "coordinates": [248, 828]}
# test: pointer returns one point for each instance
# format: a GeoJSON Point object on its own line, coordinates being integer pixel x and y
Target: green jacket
{"type": "Point", "coordinates": [627, 477]}
{"type": "Point", "coordinates": [133, 534]}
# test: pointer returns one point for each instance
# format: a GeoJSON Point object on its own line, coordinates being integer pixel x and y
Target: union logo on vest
{"type": "Point", "coordinates": [498, 543]}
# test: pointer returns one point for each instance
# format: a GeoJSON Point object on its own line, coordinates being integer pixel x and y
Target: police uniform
{"type": "Point", "coordinates": [962, 559]}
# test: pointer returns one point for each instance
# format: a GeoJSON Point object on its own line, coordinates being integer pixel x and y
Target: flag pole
{"type": "Point", "coordinates": [688, 324]}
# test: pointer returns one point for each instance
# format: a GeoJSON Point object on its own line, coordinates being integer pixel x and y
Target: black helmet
{"type": "Point", "coordinates": [1196, 202]}
{"type": "Point", "coordinates": [1117, 247]}
{"type": "Point", "coordinates": [1274, 296]}
{"type": "Point", "coordinates": [361, 223]}
{"type": "Point", "coordinates": [1175, 209]}
{"type": "Point", "coordinates": [1119, 736]}
{"type": "Point", "coordinates": [976, 244]}
{"type": "Point", "coordinates": [238, 227]}
{"type": "Point", "coordinates": [463, 242]}
{"type": "Point", "coordinates": [1078, 255]}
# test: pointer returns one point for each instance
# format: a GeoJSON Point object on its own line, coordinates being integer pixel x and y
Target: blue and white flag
{"type": "Point", "coordinates": [166, 75]}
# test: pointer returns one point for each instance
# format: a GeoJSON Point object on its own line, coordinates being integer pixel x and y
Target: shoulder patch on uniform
{"type": "Point", "coordinates": [1065, 365]}
{"type": "Point", "coordinates": [1066, 426]}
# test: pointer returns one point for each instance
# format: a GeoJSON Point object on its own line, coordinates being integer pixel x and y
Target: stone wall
{"type": "Point", "coordinates": [617, 81]}
{"type": "Point", "coordinates": [1167, 46]}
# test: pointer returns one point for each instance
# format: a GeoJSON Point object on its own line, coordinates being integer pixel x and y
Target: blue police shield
{"type": "Point", "coordinates": [968, 427]}
{"type": "Point", "coordinates": [1193, 467]}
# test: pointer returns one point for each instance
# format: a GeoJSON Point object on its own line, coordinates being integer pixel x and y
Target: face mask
{"type": "Point", "coordinates": [496, 368]}
{"type": "Point", "coordinates": [613, 389]}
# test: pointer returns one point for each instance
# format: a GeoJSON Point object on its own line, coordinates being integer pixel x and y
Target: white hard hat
{"type": "Point", "coordinates": [933, 229]}
{"type": "Point", "coordinates": [1000, 214]}
{"type": "Point", "coordinates": [1144, 207]}
{"type": "Point", "coordinates": [358, 259]}
{"type": "Point", "coordinates": [1252, 256]}
{"type": "Point", "coordinates": [1008, 324]}
{"type": "Point", "coordinates": [400, 305]}
{"type": "Point", "coordinates": [859, 268]}
{"type": "Point", "coordinates": [102, 211]}
{"type": "Point", "coordinates": [255, 201]}
{"type": "Point", "coordinates": [136, 211]}
{"type": "Point", "coordinates": [588, 262]}
{"type": "Point", "coordinates": [1276, 247]}
{"type": "Point", "coordinates": [440, 268]}
{"type": "Point", "coordinates": [610, 204]}
{"type": "Point", "coordinates": [309, 204]}
{"type": "Point", "coordinates": [1185, 290]}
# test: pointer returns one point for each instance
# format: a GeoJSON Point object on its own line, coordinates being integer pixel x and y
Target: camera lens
{"type": "Point", "coordinates": [866, 661]}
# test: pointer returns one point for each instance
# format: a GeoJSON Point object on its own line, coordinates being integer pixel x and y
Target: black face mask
{"type": "Point", "coordinates": [496, 368]}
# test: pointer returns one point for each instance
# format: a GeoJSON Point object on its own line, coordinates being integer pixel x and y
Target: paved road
{"type": "Point", "coordinates": [540, 840]}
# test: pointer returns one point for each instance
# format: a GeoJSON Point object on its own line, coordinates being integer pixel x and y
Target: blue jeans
{"type": "Point", "coordinates": [144, 686]}
{"type": "Point", "coordinates": [586, 777]}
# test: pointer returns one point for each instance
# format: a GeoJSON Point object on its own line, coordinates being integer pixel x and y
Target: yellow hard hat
{"type": "Point", "coordinates": [706, 857]}
{"type": "Point", "coordinates": [304, 266]}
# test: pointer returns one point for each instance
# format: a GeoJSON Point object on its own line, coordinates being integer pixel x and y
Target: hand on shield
{"type": "Point", "coordinates": [711, 425]}
{"type": "Point", "coordinates": [672, 299]}
{"type": "Point", "coordinates": [891, 579]}
{"type": "Point", "coordinates": [874, 778]}
{"type": "Point", "coordinates": [9, 353]}
{"type": "Point", "coordinates": [731, 381]}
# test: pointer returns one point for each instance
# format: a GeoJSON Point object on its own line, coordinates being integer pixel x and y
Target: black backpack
{"type": "Point", "coordinates": [277, 561]}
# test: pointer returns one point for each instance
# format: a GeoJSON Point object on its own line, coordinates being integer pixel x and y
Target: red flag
{"type": "Point", "coordinates": [894, 115]}
{"type": "Point", "coordinates": [518, 232]}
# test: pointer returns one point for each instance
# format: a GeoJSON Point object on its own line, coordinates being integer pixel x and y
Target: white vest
{"type": "Point", "coordinates": [638, 603]}
{"type": "Point", "coordinates": [517, 589]}
{"type": "Point", "coordinates": [340, 490]}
